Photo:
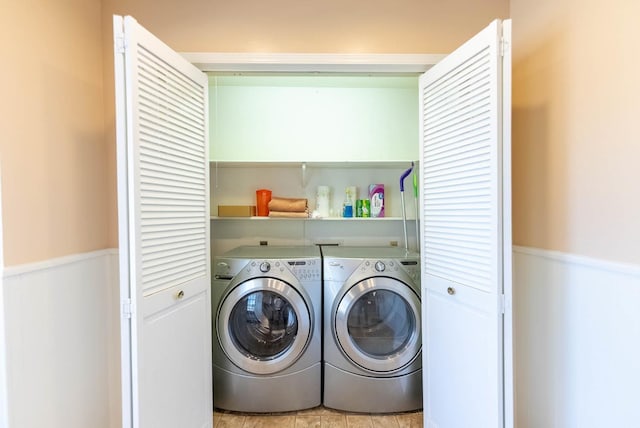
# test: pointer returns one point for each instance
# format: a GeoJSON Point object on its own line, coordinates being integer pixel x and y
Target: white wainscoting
{"type": "Point", "coordinates": [4, 408]}
{"type": "Point", "coordinates": [577, 340]}
{"type": "Point", "coordinates": [61, 324]}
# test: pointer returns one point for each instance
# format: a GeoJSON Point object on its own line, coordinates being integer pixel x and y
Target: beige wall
{"type": "Point", "coordinates": [57, 141]}
{"type": "Point", "coordinates": [576, 101]}
{"type": "Point", "coordinates": [52, 147]}
{"type": "Point", "coordinates": [576, 111]}
{"type": "Point", "coordinates": [362, 26]}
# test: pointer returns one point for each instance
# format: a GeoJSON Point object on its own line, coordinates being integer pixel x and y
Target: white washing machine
{"type": "Point", "coordinates": [372, 343]}
{"type": "Point", "coordinates": [267, 326]}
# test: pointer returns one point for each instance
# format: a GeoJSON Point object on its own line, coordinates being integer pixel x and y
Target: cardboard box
{"type": "Point", "coordinates": [236, 210]}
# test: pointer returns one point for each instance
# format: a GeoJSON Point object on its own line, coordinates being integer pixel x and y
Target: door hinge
{"type": "Point", "coordinates": [127, 309]}
{"type": "Point", "coordinates": [504, 46]}
{"type": "Point", "coordinates": [120, 45]}
{"type": "Point", "coordinates": [505, 303]}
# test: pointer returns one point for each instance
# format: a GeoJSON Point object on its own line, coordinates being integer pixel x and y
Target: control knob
{"type": "Point", "coordinates": [265, 267]}
{"type": "Point", "coordinates": [380, 267]}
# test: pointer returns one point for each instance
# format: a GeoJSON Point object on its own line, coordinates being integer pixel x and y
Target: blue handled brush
{"type": "Point", "coordinates": [415, 194]}
{"type": "Point", "coordinates": [404, 212]}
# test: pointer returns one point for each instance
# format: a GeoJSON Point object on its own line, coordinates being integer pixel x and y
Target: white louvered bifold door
{"type": "Point", "coordinates": [463, 235]}
{"type": "Point", "coordinates": [163, 198]}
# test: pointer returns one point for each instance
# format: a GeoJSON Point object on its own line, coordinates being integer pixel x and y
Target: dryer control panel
{"type": "Point", "coordinates": [340, 269]}
{"type": "Point", "coordinates": [391, 266]}
{"type": "Point", "coordinates": [412, 267]}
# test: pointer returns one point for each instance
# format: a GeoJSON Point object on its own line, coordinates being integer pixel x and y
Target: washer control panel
{"type": "Point", "coordinates": [302, 269]}
{"type": "Point", "coordinates": [305, 270]}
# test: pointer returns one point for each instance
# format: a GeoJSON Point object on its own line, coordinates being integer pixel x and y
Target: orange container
{"type": "Point", "coordinates": [263, 196]}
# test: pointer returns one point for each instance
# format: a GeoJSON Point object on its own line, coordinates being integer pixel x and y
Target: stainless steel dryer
{"type": "Point", "coordinates": [372, 343]}
{"type": "Point", "coordinates": [267, 325]}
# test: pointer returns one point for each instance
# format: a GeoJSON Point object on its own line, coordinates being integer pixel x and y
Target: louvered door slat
{"type": "Point", "coordinates": [155, 96]}
{"type": "Point", "coordinates": [159, 222]}
{"type": "Point", "coordinates": [154, 168]}
{"type": "Point", "coordinates": [158, 176]}
{"type": "Point", "coordinates": [152, 158]}
{"type": "Point", "coordinates": [469, 101]}
{"type": "Point", "coordinates": [165, 272]}
{"type": "Point", "coordinates": [171, 247]}
{"type": "Point", "coordinates": [465, 241]}
{"type": "Point", "coordinates": [179, 275]}
{"type": "Point", "coordinates": [160, 196]}
{"type": "Point", "coordinates": [178, 90]}
{"type": "Point", "coordinates": [167, 149]}
{"type": "Point", "coordinates": [153, 101]}
{"type": "Point", "coordinates": [158, 119]}
{"type": "Point", "coordinates": [457, 139]}
{"type": "Point", "coordinates": [155, 127]}
{"type": "Point", "coordinates": [169, 216]}
{"type": "Point", "coordinates": [168, 232]}
{"type": "Point", "coordinates": [172, 188]}
{"type": "Point", "coordinates": [161, 139]}
{"type": "Point", "coordinates": [160, 258]}
{"type": "Point", "coordinates": [465, 177]}
{"type": "Point", "coordinates": [473, 66]}
{"type": "Point", "coordinates": [460, 152]}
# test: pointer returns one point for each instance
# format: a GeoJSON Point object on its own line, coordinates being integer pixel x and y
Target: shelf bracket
{"type": "Point", "coordinates": [303, 174]}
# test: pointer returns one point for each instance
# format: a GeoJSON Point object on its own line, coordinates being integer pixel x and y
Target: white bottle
{"type": "Point", "coordinates": [323, 196]}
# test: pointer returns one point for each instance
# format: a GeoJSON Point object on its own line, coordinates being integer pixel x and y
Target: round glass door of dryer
{"type": "Point", "coordinates": [377, 324]}
{"type": "Point", "coordinates": [264, 325]}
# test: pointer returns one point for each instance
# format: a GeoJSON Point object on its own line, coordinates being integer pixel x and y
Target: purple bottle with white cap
{"type": "Point", "coordinates": [376, 196]}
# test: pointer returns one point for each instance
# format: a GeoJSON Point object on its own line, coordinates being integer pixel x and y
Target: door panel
{"type": "Point", "coordinates": [462, 369]}
{"type": "Point", "coordinates": [465, 232]}
{"type": "Point", "coordinates": [182, 323]}
{"type": "Point", "coordinates": [163, 220]}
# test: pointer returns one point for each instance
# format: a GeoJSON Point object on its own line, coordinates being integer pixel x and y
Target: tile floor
{"type": "Point", "coordinates": [319, 417]}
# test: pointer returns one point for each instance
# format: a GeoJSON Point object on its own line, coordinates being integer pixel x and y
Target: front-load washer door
{"type": "Point", "coordinates": [377, 324]}
{"type": "Point", "coordinates": [264, 325]}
